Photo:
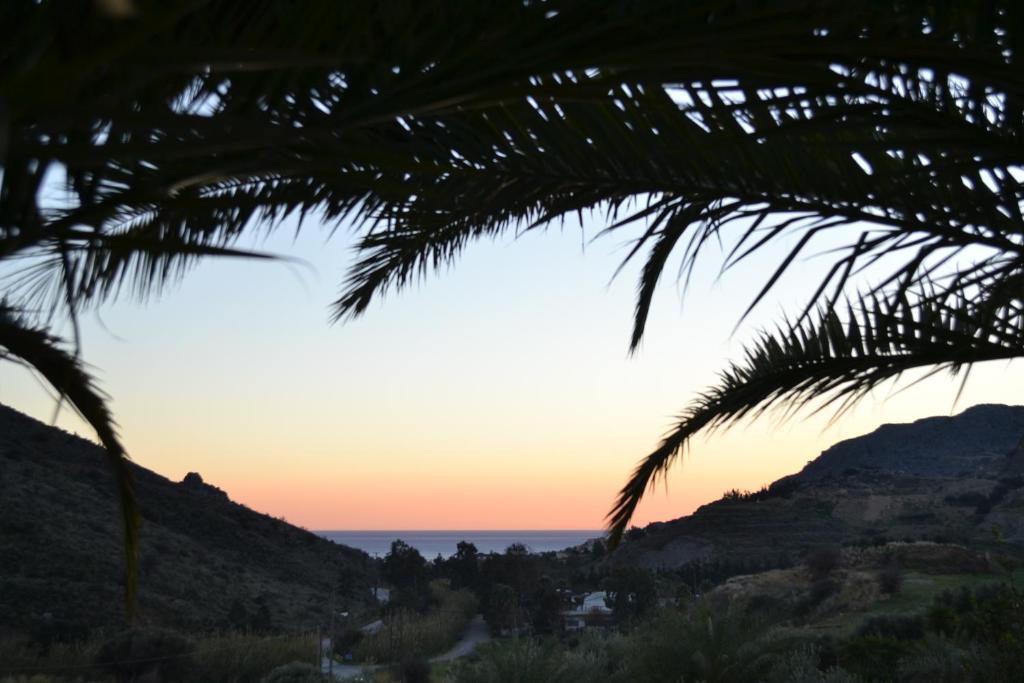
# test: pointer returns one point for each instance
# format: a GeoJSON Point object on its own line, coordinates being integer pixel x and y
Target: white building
{"type": "Point", "coordinates": [589, 610]}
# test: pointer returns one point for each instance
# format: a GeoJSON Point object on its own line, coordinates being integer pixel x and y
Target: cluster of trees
{"type": "Point", "coordinates": [520, 591]}
{"type": "Point", "coordinates": [514, 591]}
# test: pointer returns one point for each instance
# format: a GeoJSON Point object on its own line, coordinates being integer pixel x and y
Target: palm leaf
{"type": "Point", "coordinates": [42, 352]}
{"type": "Point", "coordinates": [834, 360]}
{"type": "Point", "coordinates": [432, 124]}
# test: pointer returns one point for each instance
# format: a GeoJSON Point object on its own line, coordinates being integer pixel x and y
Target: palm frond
{"type": "Point", "coordinates": [854, 167]}
{"type": "Point", "coordinates": [431, 124]}
{"type": "Point", "coordinates": [568, 108]}
{"type": "Point", "coordinates": [834, 359]}
{"type": "Point", "coordinates": [42, 352]}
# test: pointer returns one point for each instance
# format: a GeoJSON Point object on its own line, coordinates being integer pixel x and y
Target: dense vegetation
{"type": "Point", "coordinates": [968, 635]}
{"type": "Point", "coordinates": [839, 615]}
{"type": "Point", "coordinates": [160, 655]}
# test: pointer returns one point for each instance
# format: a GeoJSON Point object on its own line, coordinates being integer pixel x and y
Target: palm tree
{"type": "Point", "coordinates": [172, 129]}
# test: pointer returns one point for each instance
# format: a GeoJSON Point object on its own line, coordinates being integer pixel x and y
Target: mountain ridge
{"type": "Point", "coordinates": [956, 434]}
{"type": "Point", "coordinates": [949, 478]}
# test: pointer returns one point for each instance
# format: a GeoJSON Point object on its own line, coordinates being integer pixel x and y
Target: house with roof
{"type": "Point", "coordinates": [589, 610]}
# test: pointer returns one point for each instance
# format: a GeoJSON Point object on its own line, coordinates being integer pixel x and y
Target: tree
{"type": "Point", "coordinates": [178, 128]}
{"type": "Point", "coordinates": [516, 567]}
{"type": "Point", "coordinates": [547, 606]}
{"type": "Point", "coordinates": [404, 565]}
{"type": "Point", "coordinates": [631, 592]}
{"type": "Point", "coordinates": [503, 609]}
{"type": "Point", "coordinates": [464, 566]}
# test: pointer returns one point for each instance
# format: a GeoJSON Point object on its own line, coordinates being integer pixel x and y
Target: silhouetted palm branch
{"type": "Point", "coordinates": [833, 358]}
{"type": "Point", "coordinates": [26, 343]}
{"type": "Point", "coordinates": [185, 126]}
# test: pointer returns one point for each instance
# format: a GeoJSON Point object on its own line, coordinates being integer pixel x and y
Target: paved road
{"type": "Point", "coordinates": [347, 672]}
{"type": "Point", "coordinates": [476, 633]}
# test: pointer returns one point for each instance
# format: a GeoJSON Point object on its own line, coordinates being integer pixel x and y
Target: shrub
{"type": "Point", "coordinates": [48, 631]}
{"type": "Point", "coordinates": [767, 605]}
{"type": "Point", "coordinates": [896, 627]}
{"type": "Point", "coordinates": [873, 658]}
{"type": "Point", "coordinates": [822, 561]}
{"type": "Point", "coordinates": [890, 578]}
{"type": "Point", "coordinates": [698, 644]}
{"type": "Point", "coordinates": [414, 670]}
{"type": "Point", "coordinates": [936, 660]}
{"type": "Point", "coordinates": [296, 672]}
{"type": "Point", "coordinates": [802, 666]}
{"type": "Point", "coordinates": [819, 591]}
{"type": "Point", "coordinates": [525, 659]}
{"type": "Point", "coordinates": [735, 495]}
{"type": "Point", "coordinates": [993, 613]}
{"type": "Point", "coordinates": [136, 652]}
{"type": "Point", "coordinates": [246, 658]}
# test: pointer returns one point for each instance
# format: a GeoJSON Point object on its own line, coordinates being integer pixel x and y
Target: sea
{"type": "Point", "coordinates": [434, 543]}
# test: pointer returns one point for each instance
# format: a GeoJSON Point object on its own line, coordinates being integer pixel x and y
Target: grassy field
{"type": "Point", "coordinates": [915, 597]}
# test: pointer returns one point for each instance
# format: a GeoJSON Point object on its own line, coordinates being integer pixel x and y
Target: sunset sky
{"type": "Point", "coordinates": [496, 395]}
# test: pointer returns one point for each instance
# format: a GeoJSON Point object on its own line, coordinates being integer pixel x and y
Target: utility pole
{"type": "Point", "coordinates": [376, 574]}
{"type": "Point", "coordinates": [330, 635]}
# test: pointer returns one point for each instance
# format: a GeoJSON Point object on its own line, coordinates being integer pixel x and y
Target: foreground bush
{"type": "Point", "coordinates": [802, 666]}
{"type": "Point", "coordinates": [246, 658]}
{"type": "Point", "coordinates": [18, 657]}
{"type": "Point", "coordinates": [296, 672]}
{"type": "Point", "coordinates": [132, 654]}
{"type": "Point", "coordinates": [162, 655]}
{"type": "Point", "coordinates": [414, 670]}
{"type": "Point", "coordinates": [698, 644]}
{"type": "Point", "coordinates": [824, 560]}
{"type": "Point", "coordinates": [525, 660]}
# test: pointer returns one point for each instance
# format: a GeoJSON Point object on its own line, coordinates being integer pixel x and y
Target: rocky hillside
{"type": "Point", "coordinates": [205, 562]}
{"type": "Point", "coordinates": [974, 442]}
{"type": "Point", "coordinates": [953, 479]}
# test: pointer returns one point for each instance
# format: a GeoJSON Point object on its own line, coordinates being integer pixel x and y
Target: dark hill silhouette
{"type": "Point", "coordinates": [952, 479]}
{"type": "Point", "coordinates": [205, 561]}
{"type": "Point", "coordinates": [974, 441]}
